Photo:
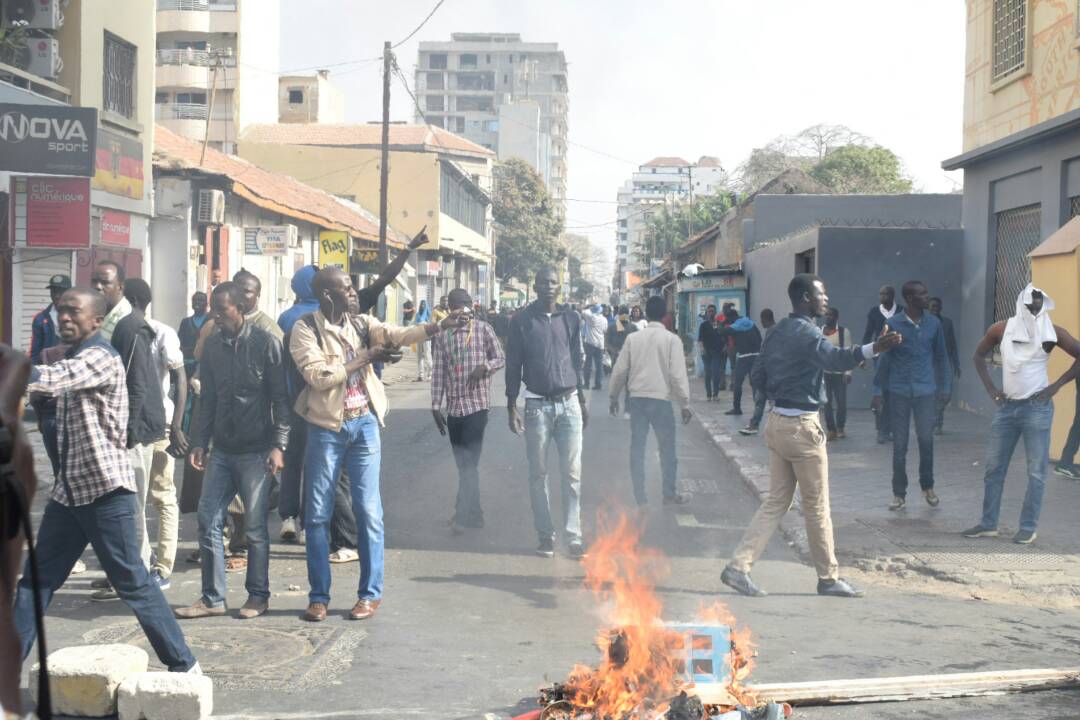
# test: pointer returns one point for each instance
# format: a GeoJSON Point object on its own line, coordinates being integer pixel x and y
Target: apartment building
{"type": "Point", "coordinates": [310, 99]}
{"type": "Point", "coordinates": [76, 140]}
{"type": "Point", "coordinates": [663, 181]}
{"type": "Point", "coordinates": [217, 66]}
{"type": "Point", "coordinates": [502, 93]}
{"type": "Point", "coordinates": [1021, 163]}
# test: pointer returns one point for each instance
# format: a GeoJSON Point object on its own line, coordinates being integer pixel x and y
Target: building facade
{"type": "Point", "coordinates": [502, 93]}
{"type": "Point", "coordinates": [1021, 158]}
{"type": "Point", "coordinates": [97, 96]}
{"type": "Point", "coordinates": [663, 181]}
{"type": "Point", "coordinates": [310, 99]}
{"type": "Point", "coordinates": [437, 181]}
{"type": "Point", "coordinates": [216, 67]}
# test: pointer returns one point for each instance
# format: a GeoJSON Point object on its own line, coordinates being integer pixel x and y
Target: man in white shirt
{"type": "Point", "coordinates": [594, 326]}
{"type": "Point", "coordinates": [169, 362]}
{"type": "Point", "coordinates": [653, 367]}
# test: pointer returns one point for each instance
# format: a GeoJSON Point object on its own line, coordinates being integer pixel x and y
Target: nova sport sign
{"type": "Point", "coordinates": [52, 139]}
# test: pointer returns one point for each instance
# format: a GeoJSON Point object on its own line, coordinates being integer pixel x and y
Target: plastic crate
{"type": "Point", "coordinates": [707, 650]}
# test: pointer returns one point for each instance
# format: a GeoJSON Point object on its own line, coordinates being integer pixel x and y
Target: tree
{"type": "Point", "coordinates": [583, 290]}
{"type": "Point", "coordinates": [526, 224]}
{"type": "Point", "coordinates": [668, 227]}
{"type": "Point", "coordinates": [862, 170]}
{"type": "Point", "coordinates": [801, 151]}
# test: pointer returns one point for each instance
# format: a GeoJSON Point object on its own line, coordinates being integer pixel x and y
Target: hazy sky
{"type": "Point", "coordinates": [717, 77]}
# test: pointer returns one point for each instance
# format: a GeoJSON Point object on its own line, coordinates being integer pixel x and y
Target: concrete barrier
{"type": "Point", "coordinates": [165, 696]}
{"type": "Point", "coordinates": [84, 679]}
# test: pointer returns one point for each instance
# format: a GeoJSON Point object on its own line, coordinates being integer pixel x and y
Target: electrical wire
{"type": "Point", "coordinates": [408, 37]}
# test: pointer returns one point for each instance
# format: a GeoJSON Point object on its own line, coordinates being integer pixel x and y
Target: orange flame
{"type": "Point", "coordinates": [642, 662]}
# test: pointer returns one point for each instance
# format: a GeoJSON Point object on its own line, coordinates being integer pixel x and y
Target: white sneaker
{"type": "Point", "coordinates": [78, 568]}
{"type": "Point", "coordinates": [195, 669]}
{"type": "Point", "coordinates": [344, 555]}
{"type": "Point", "coordinates": [288, 529]}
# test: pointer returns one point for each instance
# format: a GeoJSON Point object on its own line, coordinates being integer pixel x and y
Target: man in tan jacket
{"type": "Point", "coordinates": [344, 405]}
{"type": "Point", "coordinates": [651, 364]}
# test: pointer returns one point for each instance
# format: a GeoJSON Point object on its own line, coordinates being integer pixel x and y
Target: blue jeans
{"type": "Point", "coordinates": [594, 357]}
{"type": "Point", "coordinates": [714, 372]}
{"type": "Point", "coordinates": [109, 525]}
{"type": "Point", "coordinates": [924, 410]}
{"type": "Point", "coordinates": [743, 366]}
{"type": "Point", "coordinates": [229, 474]}
{"type": "Point", "coordinates": [657, 413]}
{"type": "Point", "coordinates": [357, 448]}
{"type": "Point", "coordinates": [1030, 419]}
{"type": "Point", "coordinates": [558, 420]}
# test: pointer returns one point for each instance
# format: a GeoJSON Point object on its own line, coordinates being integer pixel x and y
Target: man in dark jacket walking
{"type": "Point", "coordinates": [746, 341]}
{"type": "Point", "coordinates": [245, 412]}
{"type": "Point", "coordinates": [954, 360]}
{"type": "Point", "coordinates": [875, 324]}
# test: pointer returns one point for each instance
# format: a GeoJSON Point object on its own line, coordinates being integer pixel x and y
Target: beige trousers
{"type": "Point", "coordinates": [163, 498]}
{"type": "Point", "coordinates": [141, 458]}
{"type": "Point", "coordinates": [797, 446]}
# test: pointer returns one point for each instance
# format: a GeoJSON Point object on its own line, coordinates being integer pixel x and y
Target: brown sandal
{"type": "Point", "coordinates": [235, 563]}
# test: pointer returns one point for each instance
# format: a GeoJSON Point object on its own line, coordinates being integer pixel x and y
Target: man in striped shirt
{"type": "Point", "coordinates": [463, 360]}
{"type": "Point", "coordinates": [93, 500]}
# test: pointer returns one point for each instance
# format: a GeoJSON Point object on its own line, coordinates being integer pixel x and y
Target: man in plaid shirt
{"type": "Point", "coordinates": [463, 360]}
{"type": "Point", "coordinates": [93, 499]}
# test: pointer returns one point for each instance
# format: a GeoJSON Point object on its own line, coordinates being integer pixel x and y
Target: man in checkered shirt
{"type": "Point", "coordinates": [93, 500]}
{"type": "Point", "coordinates": [463, 360]}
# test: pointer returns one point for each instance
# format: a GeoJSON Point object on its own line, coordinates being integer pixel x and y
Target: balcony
{"type": "Point", "coordinates": [193, 69]}
{"type": "Point", "coordinates": [189, 120]}
{"type": "Point", "coordinates": [197, 16]}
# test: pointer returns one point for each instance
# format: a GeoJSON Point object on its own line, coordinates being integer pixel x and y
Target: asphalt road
{"type": "Point", "coordinates": [475, 624]}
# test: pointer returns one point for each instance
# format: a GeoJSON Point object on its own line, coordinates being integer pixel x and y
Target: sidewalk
{"type": "Point", "coordinates": [920, 540]}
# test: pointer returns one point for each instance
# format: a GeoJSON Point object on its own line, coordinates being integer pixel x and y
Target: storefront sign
{"type": "Point", "coordinates": [115, 228]}
{"type": "Point", "coordinates": [271, 240]}
{"type": "Point", "coordinates": [118, 164]}
{"type": "Point", "coordinates": [433, 267]}
{"type": "Point", "coordinates": [50, 212]}
{"type": "Point", "coordinates": [364, 261]}
{"type": "Point", "coordinates": [53, 139]}
{"type": "Point", "coordinates": [334, 249]}
{"type": "Point", "coordinates": [712, 282]}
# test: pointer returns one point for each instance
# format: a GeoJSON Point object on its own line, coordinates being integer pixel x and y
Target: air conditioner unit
{"type": "Point", "coordinates": [37, 14]}
{"type": "Point", "coordinates": [40, 56]}
{"type": "Point", "coordinates": [211, 207]}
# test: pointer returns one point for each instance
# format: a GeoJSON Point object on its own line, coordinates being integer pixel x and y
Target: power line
{"type": "Point", "coordinates": [422, 23]}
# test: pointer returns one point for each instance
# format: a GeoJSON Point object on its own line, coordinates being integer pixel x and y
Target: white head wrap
{"type": "Point", "coordinates": [1025, 333]}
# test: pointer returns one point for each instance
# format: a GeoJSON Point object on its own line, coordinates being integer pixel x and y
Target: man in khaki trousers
{"type": "Point", "coordinates": [791, 369]}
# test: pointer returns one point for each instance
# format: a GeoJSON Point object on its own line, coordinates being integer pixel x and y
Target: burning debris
{"type": "Point", "coordinates": [648, 670]}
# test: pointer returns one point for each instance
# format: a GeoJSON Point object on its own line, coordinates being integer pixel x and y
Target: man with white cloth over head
{"type": "Point", "coordinates": [1025, 405]}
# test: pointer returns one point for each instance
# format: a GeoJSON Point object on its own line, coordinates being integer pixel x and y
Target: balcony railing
{"type": "Point", "coordinates": [180, 111]}
{"type": "Point", "coordinates": [196, 5]}
{"type": "Point", "coordinates": [190, 56]}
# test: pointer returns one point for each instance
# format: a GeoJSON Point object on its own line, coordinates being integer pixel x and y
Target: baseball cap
{"type": "Point", "coordinates": [59, 281]}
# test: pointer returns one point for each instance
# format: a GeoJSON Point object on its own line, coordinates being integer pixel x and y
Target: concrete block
{"type": "Point", "coordinates": [166, 696]}
{"type": "Point", "coordinates": [84, 679]}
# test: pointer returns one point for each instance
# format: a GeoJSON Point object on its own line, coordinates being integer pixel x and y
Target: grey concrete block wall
{"type": "Point", "coordinates": [855, 263]}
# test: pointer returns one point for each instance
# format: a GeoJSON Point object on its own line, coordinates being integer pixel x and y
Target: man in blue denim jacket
{"type": "Point", "coordinates": [909, 376]}
{"type": "Point", "coordinates": [791, 370]}
{"type": "Point", "coordinates": [1025, 405]}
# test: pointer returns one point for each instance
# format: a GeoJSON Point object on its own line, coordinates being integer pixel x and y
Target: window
{"type": "Point", "coordinates": [622, 223]}
{"type": "Point", "coordinates": [487, 59]}
{"type": "Point", "coordinates": [435, 102]}
{"type": "Point", "coordinates": [524, 57]}
{"type": "Point", "coordinates": [806, 262]}
{"type": "Point", "coordinates": [190, 45]}
{"type": "Point", "coordinates": [467, 103]}
{"type": "Point", "coordinates": [436, 81]}
{"type": "Point", "coordinates": [491, 126]}
{"type": "Point", "coordinates": [435, 120]}
{"type": "Point", "coordinates": [1009, 38]}
{"type": "Point", "coordinates": [198, 98]}
{"type": "Point", "coordinates": [296, 96]}
{"type": "Point", "coordinates": [457, 124]}
{"type": "Point", "coordinates": [1018, 233]}
{"type": "Point", "coordinates": [460, 201]}
{"type": "Point", "coordinates": [467, 60]}
{"type": "Point", "coordinates": [475, 81]}
{"type": "Point", "coordinates": [161, 97]}
{"type": "Point", "coordinates": [506, 79]}
{"type": "Point", "coordinates": [437, 61]}
{"type": "Point", "coordinates": [1074, 206]}
{"type": "Point", "coordinates": [118, 81]}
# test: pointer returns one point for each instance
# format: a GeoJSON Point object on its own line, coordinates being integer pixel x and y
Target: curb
{"type": "Point", "coordinates": [756, 477]}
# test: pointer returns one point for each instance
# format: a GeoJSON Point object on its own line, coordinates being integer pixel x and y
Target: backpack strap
{"type": "Point", "coordinates": [309, 320]}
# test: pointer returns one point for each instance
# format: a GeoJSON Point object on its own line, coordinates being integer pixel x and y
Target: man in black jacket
{"type": "Point", "coordinates": [133, 338]}
{"type": "Point", "coordinates": [747, 344]}
{"type": "Point", "coordinates": [245, 412]}
{"type": "Point", "coordinates": [544, 352]}
{"type": "Point", "coordinates": [875, 323]}
{"type": "Point", "coordinates": [954, 361]}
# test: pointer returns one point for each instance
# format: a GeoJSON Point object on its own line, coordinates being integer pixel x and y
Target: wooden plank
{"type": "Point", "coordinates": [912, 687]}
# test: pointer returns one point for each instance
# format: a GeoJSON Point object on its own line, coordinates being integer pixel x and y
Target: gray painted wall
{"type": "Point", "coordinates": [779, 215]}
{"type": "Point", "coordinates": [855, 263]}
{"type": "Point", "coordinates": [1046, 172]}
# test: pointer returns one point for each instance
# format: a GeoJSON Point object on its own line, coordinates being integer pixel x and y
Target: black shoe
{"type": "Point", "coordinates": [676, 499]}
{"type": "Point", "coordinates": [1024, 537]}
{"type": "Point", "coordinates": [733, 411]}
{"type": "Point", "coordinates": [546, 548]}
{"type": "Point", "coordinates": [980, 532]}
{"type": "Point", "coordinates": [838, 588]}
{"type": "Point", "coordinates": [740, 582]}
{"type": "Point", "coordinates": [101, 584]}
{"type": "Point", "coordinates": [1070, 471]}
{"type": "Point", "coordinates": [576, 551]}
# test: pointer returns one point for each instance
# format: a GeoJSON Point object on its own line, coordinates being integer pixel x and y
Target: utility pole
{"type": "Point", "coordinates": [384, 175]}
{"type": "Point", "coordinates": [690, 217]}
{"type": "Point", "coordinates": [216, 61]}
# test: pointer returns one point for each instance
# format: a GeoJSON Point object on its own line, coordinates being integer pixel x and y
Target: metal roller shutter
{"type": "Point", "coordinates": [35, 268]}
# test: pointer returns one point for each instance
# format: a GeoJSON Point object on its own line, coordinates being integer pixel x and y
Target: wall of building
{"type": "Point", "coordinates": [519, 134]}
{"type": "Point", "coordinates": [1046, 89]}
{"type": "Point", "coordinates": [1059, 276]}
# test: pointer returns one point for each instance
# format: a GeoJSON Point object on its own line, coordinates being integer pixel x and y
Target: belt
{"type": "Point", "coordinates": [353, 414]}
{"type": "Point", "coordinates": [792, 405]}
{"type": "Point", "coordinates": [742, 355]}
{"type": "Point", "coordinates": [555, 397]}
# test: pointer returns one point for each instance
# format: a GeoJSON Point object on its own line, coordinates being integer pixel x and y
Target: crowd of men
{"type": "Point", "coordinates": [292, 410]}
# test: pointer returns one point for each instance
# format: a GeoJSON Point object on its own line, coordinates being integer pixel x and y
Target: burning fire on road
{"type": "Point", "coordinates": [649, 670]}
